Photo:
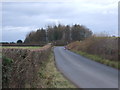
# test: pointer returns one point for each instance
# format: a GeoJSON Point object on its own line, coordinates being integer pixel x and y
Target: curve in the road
{"type": "Point", "coordinates": [83, 72]}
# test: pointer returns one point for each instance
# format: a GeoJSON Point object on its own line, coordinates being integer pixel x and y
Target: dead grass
{"type": "Point", "coordinates": [50, 77]}
{"type": "Point", "coordinates": [26, 64]}
{"type": "Point", "coordinates": [33, 69]}
{"type": "Point", "coordinates": [28, 47]}
{"type": "Point", "coordinates": [99, 59]}
{"type": "Point", "coordinates": [104, 47]}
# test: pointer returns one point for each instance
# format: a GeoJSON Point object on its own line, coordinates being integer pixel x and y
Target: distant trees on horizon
{"type": "Point", "coordinates": [64, 33]}
{"type": "Point", "coordinates": [19, 41]}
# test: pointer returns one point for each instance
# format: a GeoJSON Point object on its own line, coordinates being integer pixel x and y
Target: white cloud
{"type": "Point", "coordinates": [54, 21]}
{"type": "Point", "coordinates": [18, 29]}
{"type": "Point", "coordinates": [96, 6]}
{"type": "Point", "coordinates": [99, 15]}
{"type": "Point", "coordinates": [11, 33]}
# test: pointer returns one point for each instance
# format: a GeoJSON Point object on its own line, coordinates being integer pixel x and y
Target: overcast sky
{"type": "Point", "coordinates": [19, 18]}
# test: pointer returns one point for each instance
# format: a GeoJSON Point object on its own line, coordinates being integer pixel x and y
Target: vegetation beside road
{"type": "Point", "coordinates": [6, 71]}
{"type": "Point", "coordinates": [50, 77]}
{"type": "Point", "coordinates": [99, 59]}
{"type": "Point", "coordinates": [25, 65]}
{"type": "Point", "coordinates": [101, 49]}
{"type": "Point", "coordinates": [22, 47]}
{"type": "Point", "coordinates": [31, 69]}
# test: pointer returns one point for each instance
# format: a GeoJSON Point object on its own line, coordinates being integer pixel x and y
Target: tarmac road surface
{"type": "Point", "coordinates": [84, 72]}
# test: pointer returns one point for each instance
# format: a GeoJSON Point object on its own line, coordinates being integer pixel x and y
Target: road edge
{"type": "Point", "coordinates": [64, 74]}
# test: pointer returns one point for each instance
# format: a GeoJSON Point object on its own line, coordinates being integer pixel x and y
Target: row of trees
{"type": "Point", "coordinates": [58, 33]}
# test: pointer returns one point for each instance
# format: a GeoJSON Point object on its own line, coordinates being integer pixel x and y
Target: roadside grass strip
{"type": "Point", "coordinates": [26, 47]}
{"type": "Point", "coordinates": [114, 64]}
{"type": "Point", "coordinates": [50, 77]}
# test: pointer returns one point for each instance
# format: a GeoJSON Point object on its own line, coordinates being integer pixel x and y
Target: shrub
{"type": "Point", "coordinates": [25, 66]}
{"type": "Point", "coordinates": [105, 47]}
{"type": "Point", "coordinates": [6, 71]}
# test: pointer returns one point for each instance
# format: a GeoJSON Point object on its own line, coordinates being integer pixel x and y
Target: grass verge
{"type": "Point", "coordinates": [51, 78]}
{"type": "Point", "coordinates": [26, 47]}
{"type": "Point", "coordinates": [114, 64]}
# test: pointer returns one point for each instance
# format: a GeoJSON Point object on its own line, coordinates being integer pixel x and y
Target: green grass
{"type": "Point", "coordinates": [28, 47]}
{"type": "Point", "coordinates": [7, 60]}
{"type": "Point", "coordinates": [6, 70]}
{"type": "Point", "coordinates": [114, 64]}
{"type": "Point", "coordinates": [50, 77]}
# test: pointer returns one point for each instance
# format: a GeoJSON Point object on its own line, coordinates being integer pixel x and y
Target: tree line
{"type": "Point", "coordinates": [61, 33]}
